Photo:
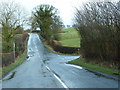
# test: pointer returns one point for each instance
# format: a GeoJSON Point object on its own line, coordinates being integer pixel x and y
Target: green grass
{"type": "Point", "coordinates": [102, 69]}
{"type": "Point", "coordinates": [17, 62]}
{"type": "Point", "coordinates": [20, 59]}
{"type": "Point", "coordinates": [71, 42]}
{"type": "Point", "coordinates": [69, 37]}
{"type": "Point", "coordinates": [17, 35]}
{"type": "Point", "coordinates": [50, 49]}
{"type": "Point", "coordinates": [68, 33]}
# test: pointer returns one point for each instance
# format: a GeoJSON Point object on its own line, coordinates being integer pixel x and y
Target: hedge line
{"type": "Point", "coordinates": [8, 58]}
{"type": "Point", "coordinates": [63, 49]}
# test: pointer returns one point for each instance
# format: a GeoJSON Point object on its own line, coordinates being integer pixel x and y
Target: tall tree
{"type": "Point", "coordinates": [11, 18]}
{"type": "Point", "coordinates": [45, 17]}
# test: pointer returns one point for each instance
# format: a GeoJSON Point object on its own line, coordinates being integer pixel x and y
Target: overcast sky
{"type": "Point", "coordinates": [65, 7]}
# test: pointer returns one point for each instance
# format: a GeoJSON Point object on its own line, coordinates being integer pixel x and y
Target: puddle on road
{"type": "Point", "coordinates": [45, 60]}
{"type": "Point", "coordinates": [11, 76]}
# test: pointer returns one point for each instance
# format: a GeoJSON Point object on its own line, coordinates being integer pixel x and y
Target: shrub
{"type": "Point", "coordinates": [99, 27]}
{"type": "Point", "coordinates": [9, 57]}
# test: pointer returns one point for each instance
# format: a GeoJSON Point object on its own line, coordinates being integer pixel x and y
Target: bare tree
{"type": "Point", "coordinates": [12, 16]}
{"type": "Point", "coordinates": [99, 26]}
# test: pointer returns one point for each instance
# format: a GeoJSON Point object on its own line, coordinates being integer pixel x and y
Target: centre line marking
{"type": "Point", "coordinates": [48, 68]}
{"type": "Point", "coordinates": [63, 84]}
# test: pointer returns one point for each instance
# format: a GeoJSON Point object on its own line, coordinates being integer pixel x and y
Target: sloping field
{"type": "Point", "coordinates": [69, 37]}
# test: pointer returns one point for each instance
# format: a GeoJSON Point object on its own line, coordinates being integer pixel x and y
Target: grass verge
{"type": "Point", "coordinates": [12, 66]}
{"type": "Point", "coordinates": [19, 60]}
{"type": "Point", "coordinates": [102, 69]}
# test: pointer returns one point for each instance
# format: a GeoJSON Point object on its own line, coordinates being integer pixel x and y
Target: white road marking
{"type": "Point", "coordinates": [74, 66]}
{"type": "Point", "coordinates": [48, 68]}
{"type": "Point", "coordinates": [58, 79]}
{"type": "Point", "coordinates": [61, 82]}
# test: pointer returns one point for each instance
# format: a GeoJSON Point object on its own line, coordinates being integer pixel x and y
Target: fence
{"type": "Point", "coordinates": [9, 57]}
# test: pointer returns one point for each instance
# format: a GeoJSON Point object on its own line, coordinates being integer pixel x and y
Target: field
{"type": "Point", "coordinates": [69, 37]}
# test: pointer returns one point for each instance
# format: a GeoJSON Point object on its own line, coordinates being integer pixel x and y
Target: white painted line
{"type": "Point", "coordinates": [61, 82]}
{"type": "Point", "coordinates": [74, 66]}
{"type": "Point", "coordinates": [58, 79]}
{"type": "Point", "coordinates": [48, 68]}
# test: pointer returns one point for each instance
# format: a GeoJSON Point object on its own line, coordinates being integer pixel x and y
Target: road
{"type": "Point", "coordinates": [47, 70]}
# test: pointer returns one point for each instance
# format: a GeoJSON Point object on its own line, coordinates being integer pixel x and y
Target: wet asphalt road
{"type": "Point", "coordinates": [47, 70]}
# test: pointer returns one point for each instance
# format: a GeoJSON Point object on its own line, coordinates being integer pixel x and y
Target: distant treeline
{"type": "Point", "coordinates": [99, 26]}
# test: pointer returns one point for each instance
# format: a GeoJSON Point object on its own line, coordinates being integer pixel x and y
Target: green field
{"type": "Point", "coordinates": [69, 37]}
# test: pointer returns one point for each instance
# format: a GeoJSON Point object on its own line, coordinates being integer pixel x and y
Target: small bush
{"type": "Point", "coordinates": [9, 57]}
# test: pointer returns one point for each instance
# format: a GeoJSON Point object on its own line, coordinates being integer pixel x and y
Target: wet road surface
{"type": "Point", "coordinates": [47, 70]}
